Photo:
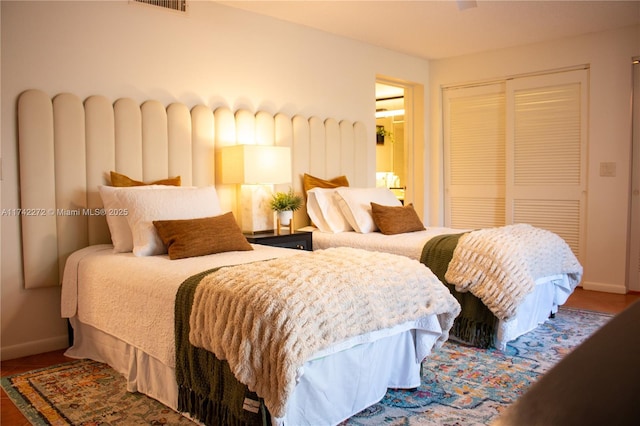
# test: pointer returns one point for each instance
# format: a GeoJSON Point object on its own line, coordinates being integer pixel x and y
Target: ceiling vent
{"type": "Point", "coordinates": [177, 5]}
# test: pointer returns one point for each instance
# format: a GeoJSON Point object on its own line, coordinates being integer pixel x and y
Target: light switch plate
{"type": "Point", "coordinates": [608, 169]}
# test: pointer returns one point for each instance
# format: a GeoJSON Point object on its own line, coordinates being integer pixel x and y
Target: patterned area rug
{"type": "Point", "coordinates": [469, 386]}
{"type": "Point", "coordinates": [460, 386]}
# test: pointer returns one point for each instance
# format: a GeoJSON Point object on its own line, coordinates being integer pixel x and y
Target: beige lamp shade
{"type": "Point", "coordinates": [255, 164]}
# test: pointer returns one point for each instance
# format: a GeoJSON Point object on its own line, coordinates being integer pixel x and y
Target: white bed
{"type": "Point", "coordinates": [67, 148]}
{"type": "Point", "coordinates": [550, 292]}
{"type": "Point", "coordinates": [121, 309]}
{"type": "Point", "coordinates": [538, 269]}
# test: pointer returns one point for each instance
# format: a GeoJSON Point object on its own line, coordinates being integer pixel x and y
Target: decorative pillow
{"type": "Point", "coordinates": [164, 203]}
{"type": "Point", "coordinates": [117, 217]}
{"type": "Point", "coordinates": [324, 212]}
{"type": "Point", "coordinates": [199, 237]}
{"type": "Point", "coordinates": [120, 180]}
{"type": "Point", "coordinates": [309, 182]}
{"type": "Point", "coordinates": [355, 204]}
{"type": "Point", "coordinates": [396, 219]}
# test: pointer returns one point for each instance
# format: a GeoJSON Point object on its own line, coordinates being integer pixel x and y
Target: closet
{"type": "Point", "coordinates": [515, 152]}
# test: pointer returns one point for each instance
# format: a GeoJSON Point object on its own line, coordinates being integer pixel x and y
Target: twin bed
{"type": "Point", "coordinates": [508, 280]}
{"type": "Point", "coordinates": [293, 337]}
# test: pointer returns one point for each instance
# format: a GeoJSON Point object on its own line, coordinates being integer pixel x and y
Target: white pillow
{"type": "Point", "coordinates": [117, 218]}
{"type": "Point", "coordinates": [355, 204]}
{"type": "Point", "coordinates": [164, 203]}
{"type": "Point", "coordinates": [324, 211]}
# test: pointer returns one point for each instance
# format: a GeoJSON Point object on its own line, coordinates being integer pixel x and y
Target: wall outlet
{"type": "Point", "coordinates": [608, 169]}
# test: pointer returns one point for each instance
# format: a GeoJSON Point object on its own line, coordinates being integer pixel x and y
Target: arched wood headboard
{"type": "Point", "coordinates": [68, 146]}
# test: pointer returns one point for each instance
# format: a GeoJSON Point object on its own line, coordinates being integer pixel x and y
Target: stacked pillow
{"type": "Point", "coordinates": [336, 208]}
{"type": "Point", "coordinates": [150, 219]}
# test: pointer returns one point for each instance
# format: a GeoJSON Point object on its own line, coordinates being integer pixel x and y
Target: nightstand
{"type": "Point", "coordinates": [298, 240]}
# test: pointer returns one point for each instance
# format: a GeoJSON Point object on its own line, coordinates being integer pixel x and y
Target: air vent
{"type": "Point", "coordinates": [177, 5]}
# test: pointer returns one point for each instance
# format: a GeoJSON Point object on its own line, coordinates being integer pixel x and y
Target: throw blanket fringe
{"type": "Point", "coordinates": [267, 319]}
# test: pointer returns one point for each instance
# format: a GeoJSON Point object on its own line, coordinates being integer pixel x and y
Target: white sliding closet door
{"type": "Point", "coordinates": [474, 151]}
{"type": "Point", "coordinates": [516, 153]}
{"type": "Point", "coordinates": [547, 151]}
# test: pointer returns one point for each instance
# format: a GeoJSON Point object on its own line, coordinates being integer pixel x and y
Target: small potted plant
{"type": "Point", "coordinates": [285, 203]}
{"type": "Point", "coordinates": [381, 132]}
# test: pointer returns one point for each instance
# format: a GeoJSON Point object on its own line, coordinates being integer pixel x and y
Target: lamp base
{"type": "Point", "coordinates": [255, 213]}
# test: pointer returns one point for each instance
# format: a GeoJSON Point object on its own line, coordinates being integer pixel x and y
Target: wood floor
{"type": "Point", "coordinates": [10, 415]}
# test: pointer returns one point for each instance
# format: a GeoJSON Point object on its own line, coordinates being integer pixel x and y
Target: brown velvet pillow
{"type": "Point", "coordinates": [199, 237]}
{"type": "Point", "coordinates": [121, 180]}
{"type": "Point", "coordinates": [396, 219]}
{"type": "Point", "coordinates": [310, 182]}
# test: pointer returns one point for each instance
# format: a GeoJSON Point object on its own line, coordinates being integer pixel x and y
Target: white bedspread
{"type": "Point", "coordinates": [133, 298]}
{"type": "Point", "coordinates": [409, 244]}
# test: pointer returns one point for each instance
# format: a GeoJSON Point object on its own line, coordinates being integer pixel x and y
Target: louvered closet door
{"type": "Point", "coordinates": [546, 154]}
{"type": "Point", "coordinates": [474, 154]}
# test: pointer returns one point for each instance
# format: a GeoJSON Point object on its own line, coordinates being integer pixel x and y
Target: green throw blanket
{"type": "Point", "coordinates": [476, 324]}
{"type": "Point", "coordinates": [207, 389]}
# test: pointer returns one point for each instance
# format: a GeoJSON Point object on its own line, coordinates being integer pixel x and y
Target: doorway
{"type": "Point", "coordinates": [400, 158]}
{"type": "Point", "coordinates": [390, 158]}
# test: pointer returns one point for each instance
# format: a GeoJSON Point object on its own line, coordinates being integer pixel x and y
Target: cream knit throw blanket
{"type": "Point", "coordinates": [500, 265]}
{"type": "Point", "coordinates": [268, 318]}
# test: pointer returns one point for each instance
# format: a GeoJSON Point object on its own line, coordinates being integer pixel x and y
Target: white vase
{"type": "Point", "coordinates": [285, 217]}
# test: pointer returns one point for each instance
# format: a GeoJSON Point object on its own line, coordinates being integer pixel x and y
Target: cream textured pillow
{"type": "Point", "coordinates": [163, 203]}
{"type": "Point", "coordinates": [324, 212]}
{"type": "Point", "coordinates": [199, 237]}
{"type": "Point", "coordinates": [120, 180]}
{"type": "Point", "coordinates": [116, 216]}
{"type": "Point", "coordinates": [396, 219]}
{"type": "Point", "coordinates": [355, 204]}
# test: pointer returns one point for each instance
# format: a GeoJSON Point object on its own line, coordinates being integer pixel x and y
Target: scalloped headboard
{"type": "Point", "coordinates": [68, 146]}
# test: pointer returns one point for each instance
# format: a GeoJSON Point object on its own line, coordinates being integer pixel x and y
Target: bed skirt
{"type": "Point", "coordinates": [330, 389]}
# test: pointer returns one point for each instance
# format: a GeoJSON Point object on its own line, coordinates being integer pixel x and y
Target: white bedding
{"type": "Point", "coordinates": [549, 292]}
{"type": "Point", "coordinates": [121, 300]}
{"type": "Point", "coordinates": [409, 244]}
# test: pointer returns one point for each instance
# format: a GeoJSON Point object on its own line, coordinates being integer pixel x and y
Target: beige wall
{"type": "Point", "coordinates": [609, 56]}
{"type": "Point", "coordinates": [215, 56]}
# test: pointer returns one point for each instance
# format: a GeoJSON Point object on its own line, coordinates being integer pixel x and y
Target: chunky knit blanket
{"type": "Point", "coordinates": [500, 265]}
{"type": "Point", "coordinates": [266, 319]}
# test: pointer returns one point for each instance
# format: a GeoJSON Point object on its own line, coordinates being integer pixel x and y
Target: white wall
{"type": "Point", "coordinates": [216, 56]}
{"type": "Point", "coordinates": [609, 56]}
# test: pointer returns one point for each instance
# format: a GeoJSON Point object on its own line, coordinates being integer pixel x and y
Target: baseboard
{"type": "Point", "coordinates": [34, 347]}
{"type": "Point", "coordinates": [604, 287]}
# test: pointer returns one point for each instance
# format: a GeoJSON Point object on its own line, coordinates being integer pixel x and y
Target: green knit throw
{"type": "Point", "coordinates": [476, 324]}
{"type": "Point", "coordinates": [207, 389]}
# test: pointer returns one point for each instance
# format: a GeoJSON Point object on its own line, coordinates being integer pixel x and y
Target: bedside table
{"type": "Point", "coordinates": [299, 240]}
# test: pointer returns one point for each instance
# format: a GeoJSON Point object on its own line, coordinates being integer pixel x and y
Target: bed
{"type": "Point", "coordinates": [166, 310]}
{"type": "Point", "coordinates": [508, 280]}
{"type": "Point", "coordinates": [120, 307]}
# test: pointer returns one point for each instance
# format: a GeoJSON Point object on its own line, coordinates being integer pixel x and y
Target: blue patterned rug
{"type": "Point", "coordinates": [460, 386]}
{"type": "Point", "coordinates": [469, 386]}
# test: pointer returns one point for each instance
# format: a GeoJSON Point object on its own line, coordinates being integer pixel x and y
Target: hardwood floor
{"type": "Point", "coordinates": [10, 415]}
